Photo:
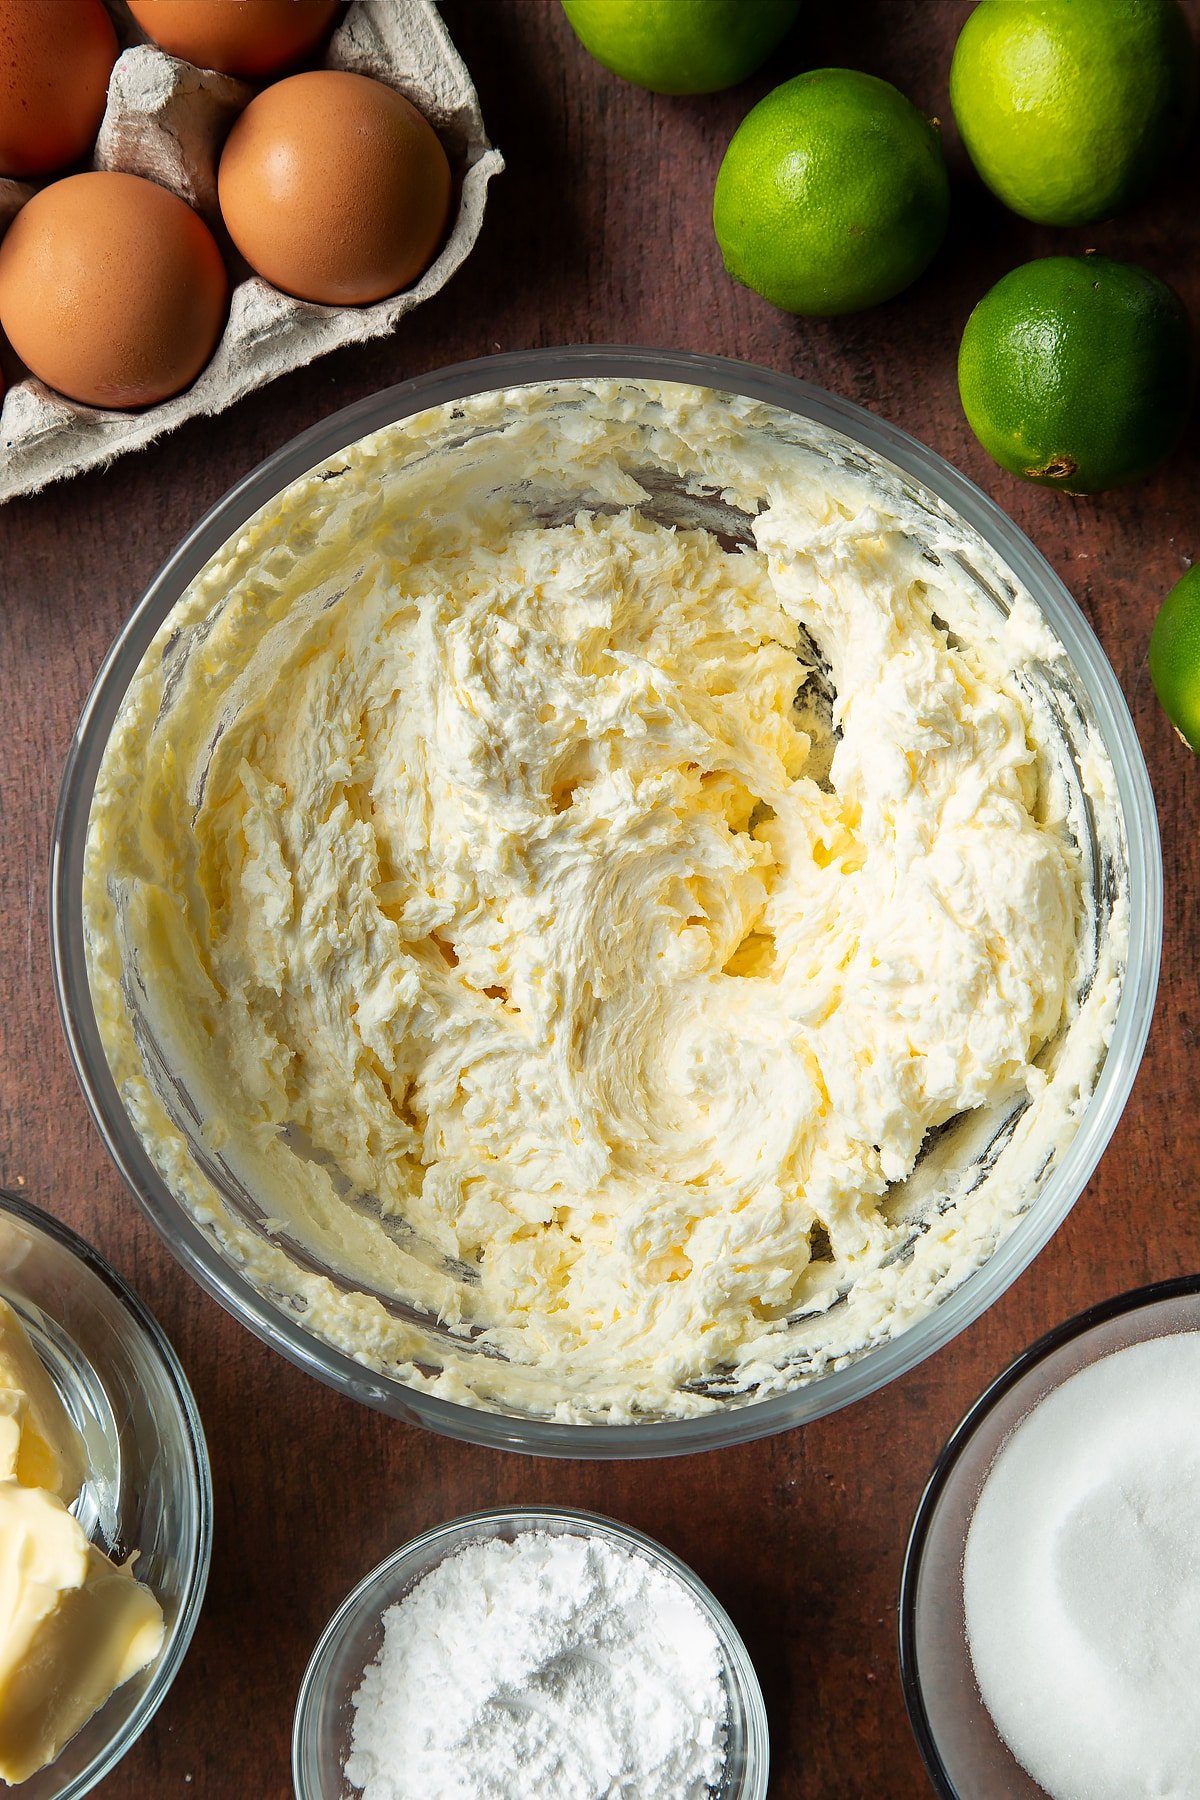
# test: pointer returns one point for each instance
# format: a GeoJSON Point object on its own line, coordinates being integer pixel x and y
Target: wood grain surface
{"type": "Point", "coordinates": [600, 232]}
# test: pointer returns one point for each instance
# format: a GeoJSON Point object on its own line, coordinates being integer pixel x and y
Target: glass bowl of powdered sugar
{"type": "Point", "coordinates": [517, 1654]}
{"type": "Point", "coordinates": [1050, 1604]}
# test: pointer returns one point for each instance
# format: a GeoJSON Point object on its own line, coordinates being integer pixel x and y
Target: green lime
{"type": "Point", "coordinates": [1077, 372]}
{"type": "Point", "coordinates": [681, 46]}
{"type": "Point", "coordinates": [1175, 657]}
{"type": "Point", "coordinates": [1069, 108]}
{"type": "Point", "coordinates": [832, 195]}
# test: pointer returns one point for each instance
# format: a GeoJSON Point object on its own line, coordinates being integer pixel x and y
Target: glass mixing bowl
{"type": "Point", "coordinates": [1118, 847]}
{"type": "Point", "coordinates": [965, 1755]}
{"type": "Point", "coordinates": [352, 1639]}
{"type": "Point", "coordinates": [148, 1490]}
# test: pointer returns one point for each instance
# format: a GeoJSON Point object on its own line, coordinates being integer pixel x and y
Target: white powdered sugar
{"type": "Point", "coordinates": [554, 1667]}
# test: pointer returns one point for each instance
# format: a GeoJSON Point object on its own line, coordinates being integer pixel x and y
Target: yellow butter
{"type": "Point", "coordinates": [39, 1445]}
{"type": "Point", "coordinates": [73, 1627]}
{"type": "Point", "coordinates": [13, 1411]}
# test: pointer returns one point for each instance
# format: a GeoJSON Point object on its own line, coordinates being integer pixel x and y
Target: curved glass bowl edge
{"type": "Point", "coordinates": [734, 1424]}
{"type": "Point", "coordinates": [746, 1686]}
{"type": "Point", "coordinates": [171, 1660]}
{"type": "Point", "coordinates": [1079, 1325]}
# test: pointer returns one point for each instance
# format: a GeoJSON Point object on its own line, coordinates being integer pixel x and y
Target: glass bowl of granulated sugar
{"type": "Point", "coordinates": [513, 1654]}
{"type": "Point", "coordinates": [1050, 1605]}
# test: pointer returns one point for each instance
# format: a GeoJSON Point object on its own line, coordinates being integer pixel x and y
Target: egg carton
{"type": "Point", "coordinates": [167, 120]}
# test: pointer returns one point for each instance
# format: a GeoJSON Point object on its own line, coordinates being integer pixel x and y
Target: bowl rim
{"type": "Point", "coordinates": [742, 1423]}
{"type": "Point", "coordinates": [1102, 1312]}
{"type": "Point", "coordinates": [180, 1632]}
{"type": "Point", "coordinates": [748, 1689]}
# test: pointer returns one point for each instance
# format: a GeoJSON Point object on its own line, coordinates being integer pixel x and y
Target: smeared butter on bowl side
{"type": "Point", "coordinates": [39, 1444]}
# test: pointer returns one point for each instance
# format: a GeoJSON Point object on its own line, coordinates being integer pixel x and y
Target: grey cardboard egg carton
{"type": "Point", "coordinates": [167, 120]}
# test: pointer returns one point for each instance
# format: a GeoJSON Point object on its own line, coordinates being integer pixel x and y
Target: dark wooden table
{"type": "Point", "coordinates": [600, 231]}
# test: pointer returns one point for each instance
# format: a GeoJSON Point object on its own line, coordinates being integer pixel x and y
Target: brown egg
{"type": "Point", "coordinates": [55, 60]}
{"type": "Point", "coordinates": [251, 38]}
{"type": "Point", "coordinates": [111, 290]}
{"type": "Point", "coordinates": [334, 188]}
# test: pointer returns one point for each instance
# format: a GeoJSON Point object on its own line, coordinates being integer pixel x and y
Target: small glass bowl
{"type": "Point", "coordinates": [351, 1641]}
{"type": "Point", "coordinates": [148, 1489]}
{"type": "Point", "coordinates": [964, 1753]}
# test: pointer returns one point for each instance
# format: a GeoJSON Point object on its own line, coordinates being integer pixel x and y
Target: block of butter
{"type": "Point", "coordinates": [73, 1627]}
{"type": "Point", "coordinates": [39, 1445]}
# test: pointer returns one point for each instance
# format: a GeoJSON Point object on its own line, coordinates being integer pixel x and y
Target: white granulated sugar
{"type": "Point", "coordinates": [554, 1667]}
{"type": "Point", "coordinates": [1081, 1580]}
